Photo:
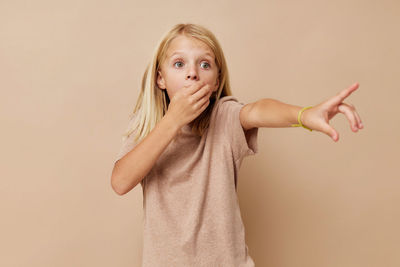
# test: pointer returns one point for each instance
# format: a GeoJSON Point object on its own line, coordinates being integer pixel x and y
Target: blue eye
{"type": "Point", "coordinates": [207, 64]}
{"type": "Point", "coordinates": [177, 62]}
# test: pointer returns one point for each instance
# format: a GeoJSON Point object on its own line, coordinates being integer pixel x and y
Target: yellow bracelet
{"type": "Point", "coordinates": [298, 119]}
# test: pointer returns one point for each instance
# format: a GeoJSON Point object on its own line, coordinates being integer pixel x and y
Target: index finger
{"type": "Point", "coordinates": [195, 87]}
{"type": "Point", "coordinates": [344, 93]}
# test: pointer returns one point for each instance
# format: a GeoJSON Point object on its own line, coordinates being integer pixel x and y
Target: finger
{"type": "Point", "coordinates": [330, 131]}
{"type": "Point", "coordinates": [202, 93]}
{"type": "Point", "coordinates": [360, 124]}
{"type": "Point", "coordinates": [358, 119]}
{"type": "Point", "coordinates": [194, 88]}
{"type": "Point", "coordinates": [203, 104]}
{"type": "Point", "coordinates": [348, 111]}
{"type": "Point", "coordinates": [336, 100]}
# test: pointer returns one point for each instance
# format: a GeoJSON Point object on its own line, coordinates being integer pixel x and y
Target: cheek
{"type": "Point", "coordinates": [174, 88]}
{"type": "Point", "coordinates": [213, 80]}
{"type": "Point", "coordinates": [214, 75]}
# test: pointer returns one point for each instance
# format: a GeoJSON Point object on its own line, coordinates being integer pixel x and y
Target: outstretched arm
{"type": "Point", "coordinates": [269, 112]}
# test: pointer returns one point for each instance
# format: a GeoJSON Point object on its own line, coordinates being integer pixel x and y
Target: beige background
{"type": "Point", "coordinates": [70, 72]}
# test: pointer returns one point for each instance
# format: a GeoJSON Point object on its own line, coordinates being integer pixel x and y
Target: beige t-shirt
{"type": "Point", "coordinates": [191, 209]}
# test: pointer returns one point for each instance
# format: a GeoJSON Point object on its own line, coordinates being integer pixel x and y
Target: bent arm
{"type": "Point", "coordinates": [137, 163]}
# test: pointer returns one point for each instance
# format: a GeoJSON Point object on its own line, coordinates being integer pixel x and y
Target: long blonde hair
{"type": "Point", "coordinates": [153, 102]}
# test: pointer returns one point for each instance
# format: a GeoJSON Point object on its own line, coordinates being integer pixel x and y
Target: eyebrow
{"type": "Point", "coordinates": [179, 52]}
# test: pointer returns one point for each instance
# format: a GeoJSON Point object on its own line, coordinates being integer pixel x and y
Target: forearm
{"type": "Point", "coordinates": [136, 164]}
{"type": "Point", "coordinates": [274, 113]}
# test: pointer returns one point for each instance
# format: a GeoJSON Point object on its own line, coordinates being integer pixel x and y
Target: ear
{"type": "Point", "coordinates": [160, 81]}
{"type": "Point", "coordinates": [217, 83]}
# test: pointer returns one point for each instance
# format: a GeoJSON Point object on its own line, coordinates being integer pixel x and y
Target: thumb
{"type": "Point", "coordinates": [329, 130]}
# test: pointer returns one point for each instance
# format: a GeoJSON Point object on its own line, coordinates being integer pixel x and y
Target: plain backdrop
{"type": "Point", "coordinates": [70, 73]}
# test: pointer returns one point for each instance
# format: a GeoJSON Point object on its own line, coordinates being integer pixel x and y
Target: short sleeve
{"type": "Point", "coordinates": [243, 142]}
{"type": "Point", "coordinates": [128, 143]}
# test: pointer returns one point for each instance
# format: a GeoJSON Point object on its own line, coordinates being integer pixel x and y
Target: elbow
{"type": "Point", "coordinates": [116, 185]}
{"type": "Point", "coordinates": [120, 183]}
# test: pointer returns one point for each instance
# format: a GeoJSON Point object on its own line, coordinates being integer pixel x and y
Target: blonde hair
{"type": "Point", "coordinates": [152, 103]}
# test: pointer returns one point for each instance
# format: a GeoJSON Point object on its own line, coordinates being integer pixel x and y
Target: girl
{"type": "Point", "coordinates": [185, 142]}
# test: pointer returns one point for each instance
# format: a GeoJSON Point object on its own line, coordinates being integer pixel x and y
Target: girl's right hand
{"type": "Point", "coordinates": [189, 102]}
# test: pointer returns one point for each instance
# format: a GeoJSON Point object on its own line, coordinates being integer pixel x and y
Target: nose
{"type": "Point", "coordinates": [192, 73]}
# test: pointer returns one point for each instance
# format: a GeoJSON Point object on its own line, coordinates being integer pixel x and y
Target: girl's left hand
{"type": "Point", "coordinates": [317, 117]}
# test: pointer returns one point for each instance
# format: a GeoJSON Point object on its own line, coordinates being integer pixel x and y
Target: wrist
{"type": "Point", "coordinates": [171, 123]}
{"type": "Point", "coordinates": [300, 118]}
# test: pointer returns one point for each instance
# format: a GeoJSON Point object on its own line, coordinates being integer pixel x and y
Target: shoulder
{"type": "Point", "coordinates": [228, 103]}
{"type": "Point", "coordinates": [226, 110]}
{"type": "Point", "coordinates": [228, 100]}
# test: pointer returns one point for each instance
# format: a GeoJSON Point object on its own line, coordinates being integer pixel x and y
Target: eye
{"type": "Point", "coordinates": [207, 65]}
{"type": "Point", "coordinates": [177, 62]}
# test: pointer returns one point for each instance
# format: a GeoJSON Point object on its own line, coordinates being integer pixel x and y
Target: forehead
{"type": "Point", "coordinates": [184, 45]}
